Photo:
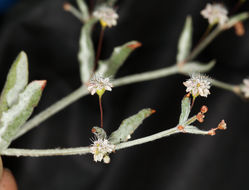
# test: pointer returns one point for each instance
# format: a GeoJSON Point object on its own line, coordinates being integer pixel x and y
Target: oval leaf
{"type": "Point", "coordinates": [129, 125]}
{"type": "Point", "coordinates": [185, 41]}
{"type": "Point", "coordinates": [16, 81]}
{"type": "Point", "coordinates": [185, 110]}
{"type": "Point", "coordinates": [86, 52]}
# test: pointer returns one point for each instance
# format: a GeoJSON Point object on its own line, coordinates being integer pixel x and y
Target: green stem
{"type": "Point", "coordinates": [205, 42]}
{"type": "Point", "coordinates": [56, 107]}
{"type": "Point", "coordinates": [81, 92]}
{"type": "Point", "coordinates": [75, 12]}
{"type": "Point", "coordinates": [86, 150]}
{"type": "Point", "coordinates": [225, 86]}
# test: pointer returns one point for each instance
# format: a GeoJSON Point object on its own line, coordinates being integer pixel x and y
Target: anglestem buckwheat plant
{"type": "Point", "coordinates": [90, 66]}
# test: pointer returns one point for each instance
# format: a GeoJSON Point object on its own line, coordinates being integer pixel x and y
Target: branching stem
{"type": "Point", "coordinates": [86, 150]}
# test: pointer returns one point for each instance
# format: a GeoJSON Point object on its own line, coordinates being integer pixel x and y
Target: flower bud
{"type": "Point", "coordinates": [106, 159]}
{"type": "Point", "coordinates": [204, 109]}
{"type": "Point", "coordinates": [222, 125]}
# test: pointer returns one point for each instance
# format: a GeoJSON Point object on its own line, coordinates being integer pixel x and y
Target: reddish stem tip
{"type": "Point", "coordinates": [66, 6]}
{"type": "Point", "coordinates": [93, 130]}
{"type": "Point", "coordinates": [153, 111]}
{"type": "Point", "coordinates": [135, 45]}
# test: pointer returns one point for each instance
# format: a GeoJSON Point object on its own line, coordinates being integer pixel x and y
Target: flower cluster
{"type": "Point", "coordinates": [245, 88]}
{"type": "Point", "coordinates": [100, 149]}
{"type": "Point", "coordinates": [198, 85]}
{"type": "Point", "coordinates": [98, 84]}
{"type": "Point", "coordinates": [106, 15]}
{"type": "Point", "coordinates": [215, 13]}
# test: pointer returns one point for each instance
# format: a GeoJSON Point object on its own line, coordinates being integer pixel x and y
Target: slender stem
{"type": "Point", "coordinates": [193, 102]}
{"type": "Point", "coordinates": [226, 86]}
{"type": "Point", "coordinates": [209, 28]}
{"type": "Point", "coordinates": [86, 150]}
{"type": "Point", "coordinates": [68, 7]}
{"type": "Point", "coordinates": [56, 107]}
{"type": "Point", "coordinates": [45, 152]}
{"type": "Point", "coordinates": [81, 92]}
{"type": "Point", "coordinates": [91, 7]}
{"type": "Point", "coordinates": [148, 138]}
{"type": "Point", "coordinates": [101, 112]}
{"type": "Point", "coordinates": [141, 77]}
{"type": "Point", "coordinates": [101, 35]}
{"type": "Point", "coordinates": [127, 80]}
{"type": "Point", "coordinates": [236, 7]}
{"type": "Point", "coordinates": [204, 43]}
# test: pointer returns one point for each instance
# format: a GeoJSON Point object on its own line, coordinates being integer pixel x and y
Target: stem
{"type": "Point", "coordinates": [91, 7]}
{"type": "Point", "coordinates": [45, 152]}
{"type": "Point", "coordinates": [204, 43]}
{"type": "Point", "coordinates": [99, 48]}
{"type": "Point", "coordinates": [56, 107]}
{"type": "Point", "coordinates": [101, 112]}
{"type": "Point", "coordinates": [81, 92]}
{"type": "Point", "coordinates": [74, 11]}
{"type": "Point", "coordinates": [224, 85]}
{"type": "Point", "coordinates": [127, 80]}
{"type": "Point", "coordinates": [141, 77]}
{"type": "Point", "coordinates": [86, 150]}
{"type": "Point", "coordinates": [209, 28]}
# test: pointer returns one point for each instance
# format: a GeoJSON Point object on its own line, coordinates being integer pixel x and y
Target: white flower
{"type": "Point", "coordinates": [106, 15]}
{"type": "Point", "coordinates": [100, 149]}
{"type": "Point", "coordinates": [245, 87]}
{"type": "Point", "coordinates": [198, 85]}
{"type": "Point", "coordinates": [99, 84]}
{"type": "Point", "coordinates": [215, 13]}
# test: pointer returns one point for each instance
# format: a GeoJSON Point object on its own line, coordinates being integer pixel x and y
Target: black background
{"type": "Point", "coordinates": [50, 36]}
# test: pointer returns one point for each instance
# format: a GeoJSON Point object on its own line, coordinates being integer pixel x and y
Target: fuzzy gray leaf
{"type": "Point", "coordinates": [185, 111]}
{"type": "Point", "coordinates": [110, 66]}
{"type": "Point", "coordinates": [16, 81]}
{"type": "Point", "coordinates": [128, 126]}
{"type": "Point", "coordinates": [84, 9]}
{"type": "Point", "coordinates": [86, 52]}
{"type": "Point", "coordinates": [185, 41]}
{"type": "Point", "coordinates": [16, 116]}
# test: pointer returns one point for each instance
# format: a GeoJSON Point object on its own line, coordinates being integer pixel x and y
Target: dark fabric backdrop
{"type": "Point", "coordinates": [50, 36]}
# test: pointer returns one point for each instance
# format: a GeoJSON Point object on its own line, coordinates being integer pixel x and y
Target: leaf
{"type": "Point", "coordinates": [110, 66]}
{"type": "Point", "coordinates": [129, 125]}
{"type": "Point", "coordinates": [185, 41]}
{"type": "Point", "coordinates": [197, 67]}
{"type": "Point", "coordinates": [16, 81]}
{"type": "Point", "coordinates": [16, 116]}
{"type": "Point", "coordinates": [86, 52]}
{"type": "Point", "coordinates": [185, 110]}
{"type": "Point", "coordinates": [84, 9]}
